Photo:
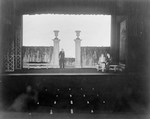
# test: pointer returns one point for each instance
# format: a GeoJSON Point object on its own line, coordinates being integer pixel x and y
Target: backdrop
{"type": "Point", "coordinates": [35, 54]}
{"type": "Point", "coordinates": [90, 55]}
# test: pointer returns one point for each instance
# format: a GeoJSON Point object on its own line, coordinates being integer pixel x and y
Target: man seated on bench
{"type": "Point", "coordinates": [108, 61]}
{"type": "Point", "coordinates": [101, 63]}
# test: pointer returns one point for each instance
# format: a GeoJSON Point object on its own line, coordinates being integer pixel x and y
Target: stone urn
{"type": "Point", "coordinates": [78, 33]}
{"type": "Point", "coordinates": [56, 33]}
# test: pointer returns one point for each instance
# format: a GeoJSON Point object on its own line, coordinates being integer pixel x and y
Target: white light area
{"type": "Point", "coordinates": [38, 30]}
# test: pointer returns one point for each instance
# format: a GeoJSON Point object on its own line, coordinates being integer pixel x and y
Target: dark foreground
{"type": "Point", "coordinates": [112, 96]}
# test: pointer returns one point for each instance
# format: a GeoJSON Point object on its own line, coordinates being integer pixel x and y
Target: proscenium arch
{"type": "Point", "coordinates": [91, 35]}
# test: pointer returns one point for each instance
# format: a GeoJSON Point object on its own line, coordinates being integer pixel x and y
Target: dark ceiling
{"type": "Point", "coordinates": [112, 7]}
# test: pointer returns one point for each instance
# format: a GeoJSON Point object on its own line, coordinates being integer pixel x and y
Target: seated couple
{"type": "Point", "coordinates": [103, 62]}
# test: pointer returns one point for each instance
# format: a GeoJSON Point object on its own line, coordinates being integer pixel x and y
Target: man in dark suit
{"type": "Point", "coordinates": [62, 59]}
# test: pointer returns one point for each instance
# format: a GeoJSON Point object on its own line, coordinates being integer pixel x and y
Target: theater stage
{"type": "Point", "coordinates": [65, 71]}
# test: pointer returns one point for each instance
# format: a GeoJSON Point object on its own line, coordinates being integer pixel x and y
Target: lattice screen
{"type": "Point", "coordinates": [12, 43]}
{"type": "Point", "coordinates": [9, 57]}
{"type": "Point", "coordinates": [17, 52]}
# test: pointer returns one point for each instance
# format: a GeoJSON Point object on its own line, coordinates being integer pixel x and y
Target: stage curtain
{"type": "Point", "coordinates": [90, 55]}
{"type": "Point", "coordinates": [36, 54]}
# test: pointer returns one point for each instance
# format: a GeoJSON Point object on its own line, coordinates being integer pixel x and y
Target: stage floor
{"type": "Point", "coordinates": [65, 71]}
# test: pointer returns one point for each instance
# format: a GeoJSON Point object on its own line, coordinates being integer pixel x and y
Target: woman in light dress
{"type": "Point", "coordinates": [101, 63]}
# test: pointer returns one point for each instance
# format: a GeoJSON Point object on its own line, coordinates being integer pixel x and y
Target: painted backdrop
{"type": "Point", "coordinates": [90, 55]}
{"type": "Point", "coordinates": [35, 54]}
{"type": "Point", "coordinates": [38, 55]}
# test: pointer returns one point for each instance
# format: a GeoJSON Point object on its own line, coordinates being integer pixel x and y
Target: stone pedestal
{"type": "Point", "coordinates": [56, 51]}
{"type": "Point", "coordinates": [77, 53]}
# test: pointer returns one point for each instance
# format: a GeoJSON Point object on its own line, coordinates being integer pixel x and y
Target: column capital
{"type": "Point", "coordinates": [56, 40]}
{"type": "Point", "coordinates": [77, 40]}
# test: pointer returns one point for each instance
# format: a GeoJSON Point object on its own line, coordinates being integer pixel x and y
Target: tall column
{"type": "Point", "coordinates": [56, 50]}
{"type": "Point", "coordinates": [77, 50]}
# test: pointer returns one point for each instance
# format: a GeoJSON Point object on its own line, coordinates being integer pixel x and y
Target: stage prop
{"type": "Point", "coordinates": [69, 62]}
{"type": "Point", "coordinates": [9, 57]}
{"type": "Point", "coordinates": [12, 44]}
{"type": "Point", "coordinates": [77, 50]}
{"type": "Point", "coordinates": [122, 52]}
{"type": "Point", "coordinates": [37, 57]}
{"type": "Point", "coordinates": [56, 50]}
{"type": "Point", "coordinates": [90, 55]}
{"type": "Point", "coordinates": [122, 48]}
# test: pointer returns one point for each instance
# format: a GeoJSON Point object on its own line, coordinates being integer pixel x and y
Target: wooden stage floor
{"type": "Point", "coordinates": [58, 71]}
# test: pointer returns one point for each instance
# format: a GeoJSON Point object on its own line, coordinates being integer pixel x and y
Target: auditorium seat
{"type": "Point", "coordinates": [78, 94]}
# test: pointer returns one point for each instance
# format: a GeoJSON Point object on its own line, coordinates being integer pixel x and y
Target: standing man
{"type": "Point", "coordinates": [62, 59]}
